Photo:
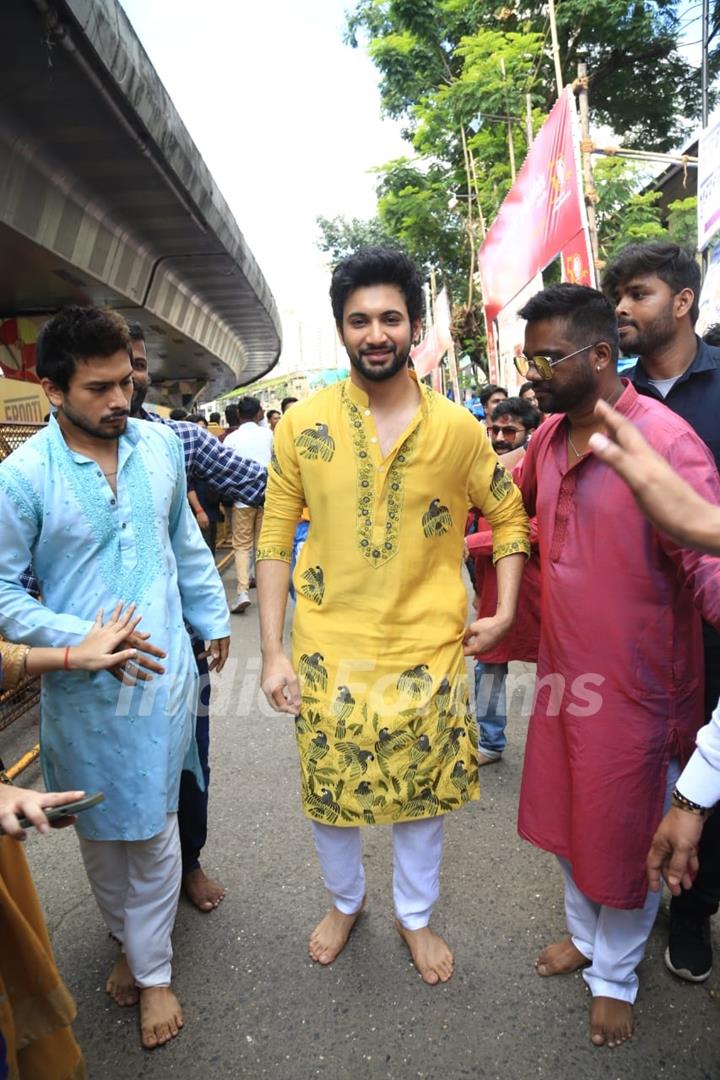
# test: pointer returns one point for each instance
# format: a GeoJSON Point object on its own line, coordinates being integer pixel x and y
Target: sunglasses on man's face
{"type": "Point", "coordinates": [544, 363]}
{"type": "Point", "coordinates": [507, 429]}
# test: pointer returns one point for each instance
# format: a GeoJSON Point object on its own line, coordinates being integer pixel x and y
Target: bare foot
{"type": "Point", "coordinates": [482, 760]}
{"type": "Point", "coordinates": [430, 954]}
{"type": "Point", "coordinates": [160, 1016]}
{"type": "Point", "coordinates": [121, 985]}
{"type": "Point", "coordinates": [329, 937]}
{"type": "Point", "coordinates": [560, 958]}
{"type": "Point", "coordinates": [202, 891]}
{"type": "Point", "coordinates": [611, 1021]}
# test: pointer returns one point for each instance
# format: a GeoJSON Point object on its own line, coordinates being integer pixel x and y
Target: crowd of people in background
{"type": "Point", "coordinates": [585, 507]}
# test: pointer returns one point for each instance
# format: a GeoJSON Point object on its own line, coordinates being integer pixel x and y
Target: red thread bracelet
{"type": "Point", "coordinates": [66, 666]}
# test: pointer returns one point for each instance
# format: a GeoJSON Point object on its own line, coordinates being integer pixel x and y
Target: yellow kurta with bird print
{"type": "Point", "coordinates": [385, 732]}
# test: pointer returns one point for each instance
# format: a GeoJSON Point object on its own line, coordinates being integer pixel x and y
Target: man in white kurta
{"type": "Point", "coordinates": [96, 535]}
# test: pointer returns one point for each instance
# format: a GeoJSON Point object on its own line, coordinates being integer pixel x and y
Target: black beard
{"type": "Point", "coordinates": [568, 397]}
{"type": "Point", "coordinates": [379, 374]}
{"type": "Point", "coordinates": [96, 432]}
{"type": "Point", "coordinates": [652, 339]}
{"type": "Point", "coordinates": [138, 399]}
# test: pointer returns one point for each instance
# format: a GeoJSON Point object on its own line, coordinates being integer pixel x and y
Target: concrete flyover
{"type": "Point", "coordinates": [104, 198]}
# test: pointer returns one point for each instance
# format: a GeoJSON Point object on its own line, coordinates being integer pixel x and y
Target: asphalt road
{"type": "Point", "coordinates": [255, 1006]}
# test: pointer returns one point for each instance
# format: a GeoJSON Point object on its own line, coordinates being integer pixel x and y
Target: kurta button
{"type": "Point", "coordinates": [112, 502]}
{"type": "Point", "coordinates": [99, 473]}
{"type": "Point", "coordinates": [367, 412]}
{"type": "Point", "coordinates": [373, 439]}
{"type": "Point", "coordinates": [124, 524]}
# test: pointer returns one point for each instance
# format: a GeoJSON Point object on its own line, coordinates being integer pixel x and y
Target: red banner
{"type": "Point", "coordinates": [577, 260]}
{"type": "Point", "coordinates": [542, 215]}
{"type": "Point", "coordinates": [17, 346]}
{"type": "Point", "coordinates": [429, 352]}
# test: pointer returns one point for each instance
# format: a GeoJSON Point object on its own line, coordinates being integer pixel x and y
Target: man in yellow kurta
{"type": "Point", "coordinates": [377, 683]}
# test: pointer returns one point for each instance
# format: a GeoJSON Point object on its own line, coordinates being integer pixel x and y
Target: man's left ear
{"type": "Point", "coordinates": [52, 393]}
{"type": "Point", "coordinates": [416, 329]}
{"type": "Point", "coordinates": [602, 356]}
{"type": "Point", "coordinates": [683, 302]}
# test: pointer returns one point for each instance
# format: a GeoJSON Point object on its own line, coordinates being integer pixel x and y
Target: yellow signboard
{"type": "Point", "coordinates": [22, 402]}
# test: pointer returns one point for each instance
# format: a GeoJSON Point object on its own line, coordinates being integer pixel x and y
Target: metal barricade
{"type": "Point", "coordinates": [13, 435]}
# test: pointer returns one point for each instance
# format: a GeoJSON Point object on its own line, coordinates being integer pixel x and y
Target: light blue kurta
{"type": "Point", "coordinates": [90, 548]}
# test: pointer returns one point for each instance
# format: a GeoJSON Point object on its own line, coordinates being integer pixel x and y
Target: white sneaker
{"type": "Point", "coordinates": [240, 603]}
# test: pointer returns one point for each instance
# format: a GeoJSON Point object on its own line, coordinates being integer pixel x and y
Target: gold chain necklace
{"type": "Point", "coordinates": [573, 446]}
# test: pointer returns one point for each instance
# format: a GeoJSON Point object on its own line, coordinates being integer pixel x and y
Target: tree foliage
{"type": "Point", "coordinates": [460, 76]}
{"type": "Point", "coordinates": [627, 211]}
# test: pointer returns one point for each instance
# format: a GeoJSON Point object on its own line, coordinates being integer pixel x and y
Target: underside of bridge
{"type": "Point", "coordinates": [104, 199]}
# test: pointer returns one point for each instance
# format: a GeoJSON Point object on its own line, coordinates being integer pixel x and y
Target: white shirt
{"type": "Point", "coordinates": [251, 441]}
{"type": "Point", "coordinates": [700, 779]}
{"type": "Point", "coordinates": [664, 386]}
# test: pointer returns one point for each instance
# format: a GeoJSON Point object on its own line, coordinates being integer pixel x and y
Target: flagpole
{"type": "Point", "coordinates": [555, 46]}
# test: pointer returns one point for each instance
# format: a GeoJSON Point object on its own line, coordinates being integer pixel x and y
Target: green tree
{"type": "Point", "coordinates": [340, 237]}
{"type": "Point", "coordinates": [627, 212]}
{"type": "Point", "coordinates": [458, 73]}
{"type": "Point", "coordinates": [641, 84]}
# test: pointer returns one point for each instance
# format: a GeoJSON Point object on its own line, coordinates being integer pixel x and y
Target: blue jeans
{"type": "Point", "coordinates": [491, 707]}
{"type": "Point", "coordinates": [301, 534]}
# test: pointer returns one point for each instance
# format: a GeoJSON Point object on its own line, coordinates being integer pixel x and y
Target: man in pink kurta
{"type": "Point", "coordinates": [620, 676]}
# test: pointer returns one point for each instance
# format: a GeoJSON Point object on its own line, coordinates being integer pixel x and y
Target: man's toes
{"type": "Point", "coordinates": [598, 1037]}
{"type": "Point", "coordinates": [445, 971]}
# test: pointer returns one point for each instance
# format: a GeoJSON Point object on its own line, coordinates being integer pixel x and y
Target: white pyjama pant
{"type": "Point", "coordinates": [417, 855]}
{"type": "Point", "coordinates": [614, 939]}
{"type": "Point", "coordinates": [137, 886]}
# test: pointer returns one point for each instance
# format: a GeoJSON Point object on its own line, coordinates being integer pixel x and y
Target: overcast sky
{"type": "Point", "coordinates": [288, 121]}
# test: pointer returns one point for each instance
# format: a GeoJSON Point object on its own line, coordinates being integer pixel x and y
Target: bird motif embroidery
{"type": "Point", "coordinates": [364, 795]}
{"type": "Point", "coordinates": [316, 444]}
{"type": "Point", "coordinates": [416, 681]}
{"type": "Point", "coordinates": [390, 742]}
{"type": "Point", "coordinates": [317, 751]}
{"type": "Point", "coordinates": [442, 695]}
{"type": "Point", "coordinates": [459, 779]}
{"type": "Point", "coordinates": [423, 805]}
{"type": "Point", "coordinates": [323, 805]}
{"type": "Point", "coordinates": [342, 708]}
{"type": "Point", "coordinates": [501, 482]}
{"type": "Point", "coordinates": [436, 520]}
{"type": "Point", "coordinates": [275, 463]}
{"type": "Point", "coordinates": [314, 587]}
{"type": "Point", "coordinates": [418, 753]}
{"type": "Point", "coordinates": [354, 759]}
{"type": "Point", "coordinates": [313, 671]}
{"type": "Point", "coordinates": [449, 742]}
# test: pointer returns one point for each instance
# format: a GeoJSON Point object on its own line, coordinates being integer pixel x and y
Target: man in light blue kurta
{"type": "Point", "coordinates": [90, 548]}
{"type": "Point", "coordinates": [97, 504]}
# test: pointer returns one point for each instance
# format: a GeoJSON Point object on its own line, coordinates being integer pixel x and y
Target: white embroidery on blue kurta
{"type": "Point", "coordinates": [130, 579]}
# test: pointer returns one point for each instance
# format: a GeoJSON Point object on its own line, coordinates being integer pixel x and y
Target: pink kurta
{"type": "Point", "coordinates": [521, 643]}
{"type": "Point", "coordinates": [620, 669]}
